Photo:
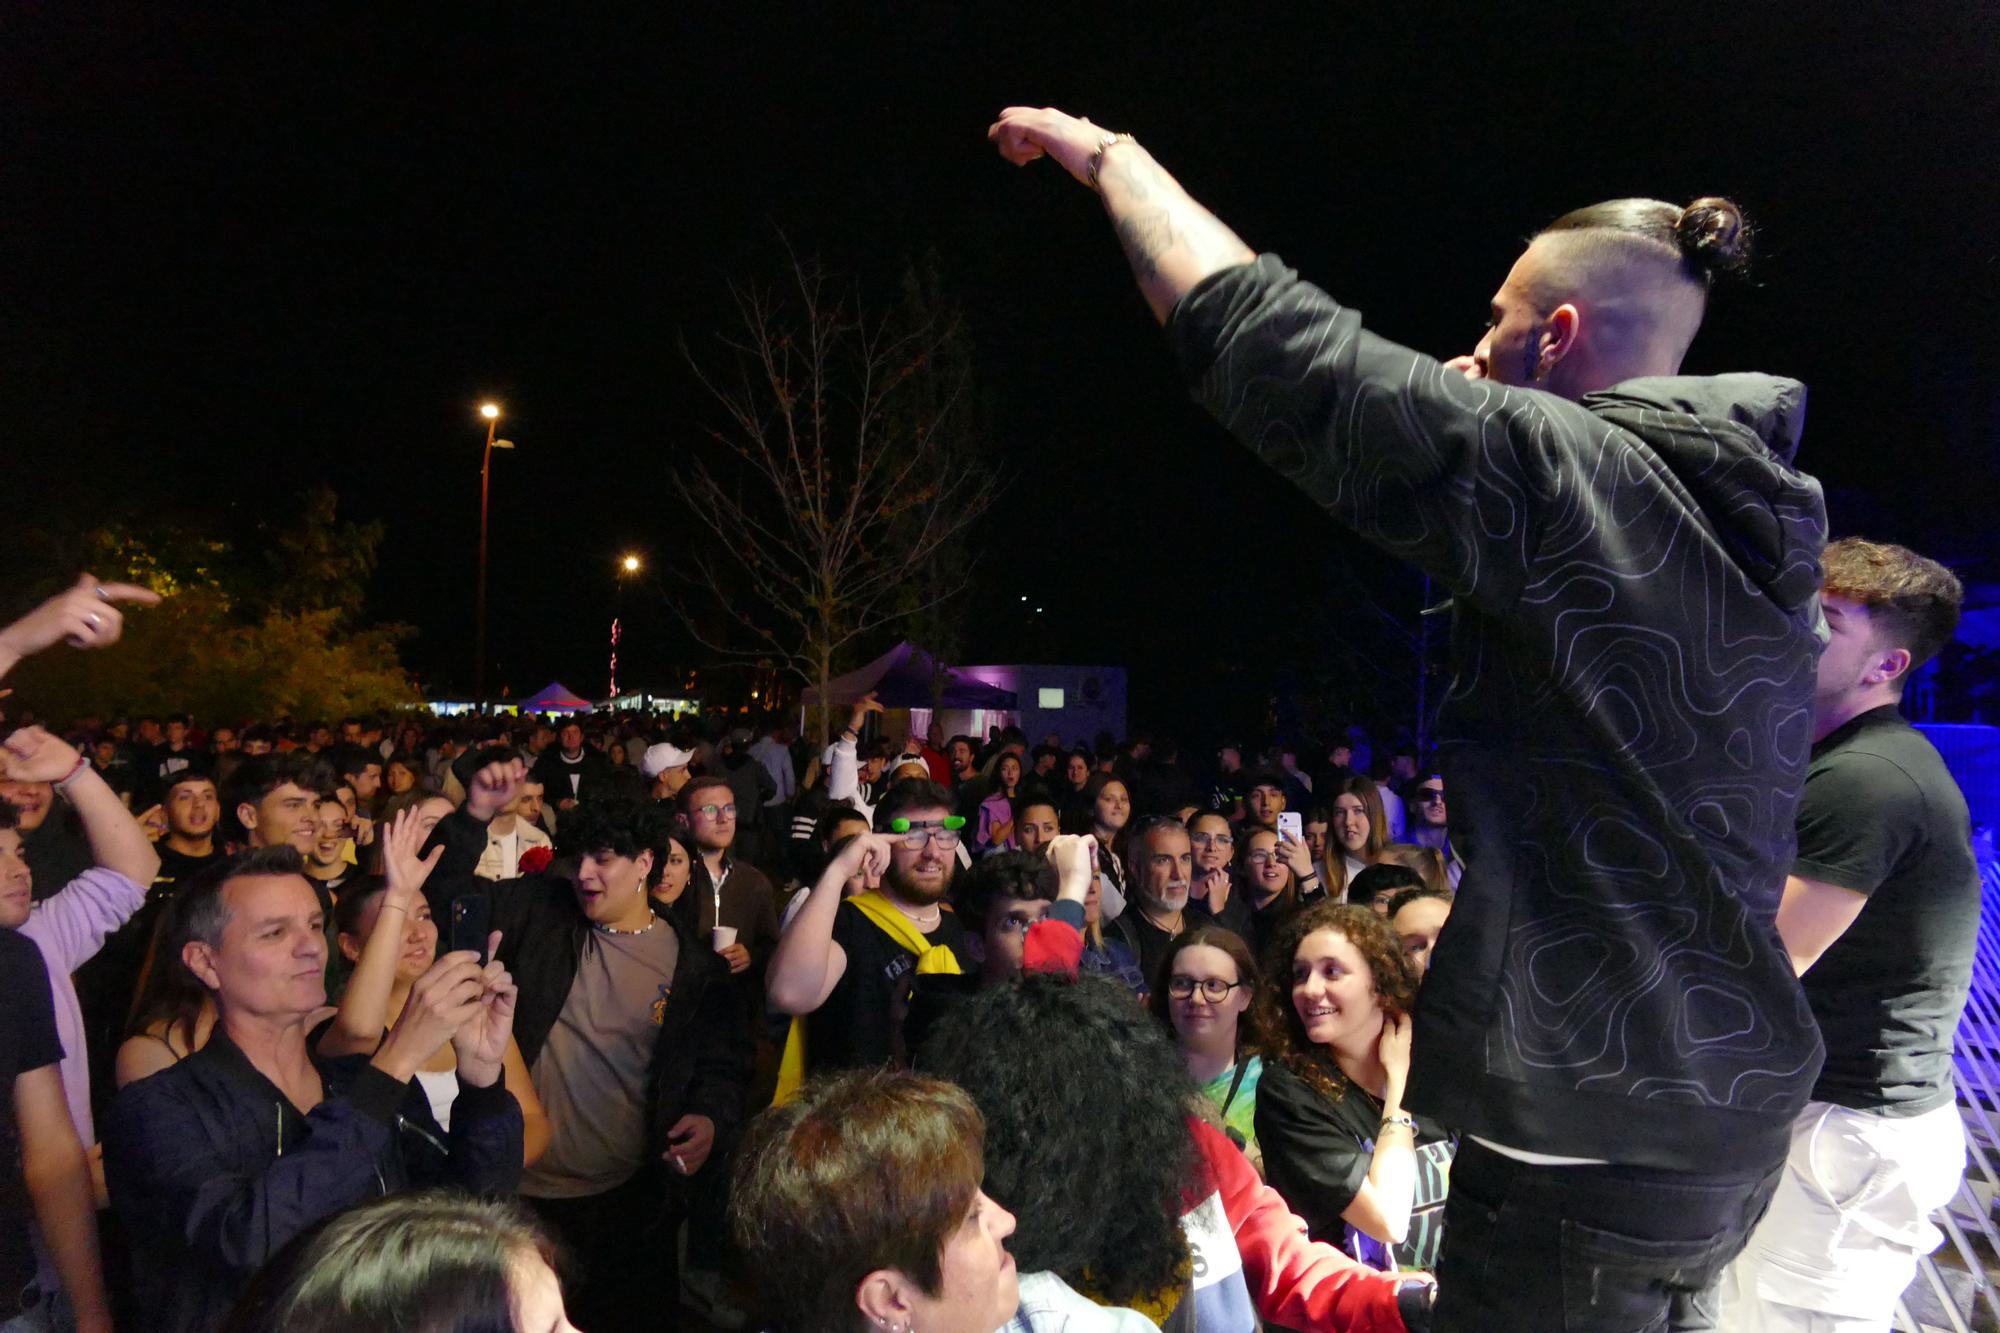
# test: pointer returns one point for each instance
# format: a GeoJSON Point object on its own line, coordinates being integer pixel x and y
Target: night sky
{"type": "Point", "coordinates": [247, 249]}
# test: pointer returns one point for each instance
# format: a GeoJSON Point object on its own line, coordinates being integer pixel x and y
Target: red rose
{"type": "Point", "coordinates": [535, 860]}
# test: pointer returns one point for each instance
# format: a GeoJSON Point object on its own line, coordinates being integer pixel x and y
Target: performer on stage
{"type": "Point", "coordinates": [1609, 1017]}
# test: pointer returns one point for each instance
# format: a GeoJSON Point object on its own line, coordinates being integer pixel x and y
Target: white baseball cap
{"type": "Point", "coordinates": [659, 758]}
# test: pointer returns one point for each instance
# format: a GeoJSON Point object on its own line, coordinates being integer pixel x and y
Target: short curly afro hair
{"type": "Point", "coordinates": [1086, 1105]}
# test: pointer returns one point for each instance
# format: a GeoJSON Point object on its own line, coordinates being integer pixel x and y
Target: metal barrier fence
{"type": "Point", "coordinates": [1967, 1220]}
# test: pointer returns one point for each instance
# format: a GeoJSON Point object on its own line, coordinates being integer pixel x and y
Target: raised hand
{"type": "Point", "coordinates": [493, 787]}
{"type": "Point", "coordinates": [1296, 856]}
{"type": "Point", "coordinates": [443, 1000]}
{"type": "Point", "coordinates": [404, 869]}
{"type": "Point", "coordinates": [1074, 857]}
{"type": "Point", "coordinates": [1025, 133]}
{"type": "Point", "coordinates": [86, 616]}
{"type": "Point", "coordinates": [154, 821]}
{"type": "Point", "coordinates": [480, 1043]}
{"type": "Point", "coordinates": [33, 755]}
{"type": "Point", "coordinates": [869, 856]}
{"type": "Point", "coordinates": [863, 706]}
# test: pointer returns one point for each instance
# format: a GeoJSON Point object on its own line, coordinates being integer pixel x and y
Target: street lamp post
{"type": "Point", "coordinates": [628, 565]}
{"type": "Point", "coordinates": [491, 411]}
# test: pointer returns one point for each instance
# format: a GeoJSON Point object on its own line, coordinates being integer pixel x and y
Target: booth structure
{"type": "Point", "coordinates": [1072, 703]}
{"type": "Point", "coordinates": [554, 697]}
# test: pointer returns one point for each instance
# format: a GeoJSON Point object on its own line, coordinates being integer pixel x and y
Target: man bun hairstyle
{"type": "Point", "coordinates": [1710, 238]}
{"type": "Point", "coordinates": [1914, 600]}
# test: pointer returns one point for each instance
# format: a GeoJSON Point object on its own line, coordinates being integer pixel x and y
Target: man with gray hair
{"type": "Point", "coordinates": [216, 1162]}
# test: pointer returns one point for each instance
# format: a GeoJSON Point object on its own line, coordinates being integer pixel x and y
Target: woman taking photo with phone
{"type": "Point", "coordinates": [1337, 1143]}
{"type": "Point", "coordinates": [388, 937]}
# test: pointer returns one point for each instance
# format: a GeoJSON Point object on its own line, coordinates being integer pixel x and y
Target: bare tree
{"type": "Point", "coordinates": [836, 482]}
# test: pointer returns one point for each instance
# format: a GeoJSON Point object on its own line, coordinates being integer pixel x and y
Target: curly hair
{"type": "Point", "coordinates": [621, 825]}
{"type": "Point", "coordinates": [1022, 876]}
{"type": "Point", "coordinates": [1280, 1034]}
{"type": "Point", "coordinates": [1087, 1140]}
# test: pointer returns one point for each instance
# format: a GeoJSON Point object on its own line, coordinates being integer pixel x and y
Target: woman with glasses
{"type": "Point", "coordinates": [1203, 995]}
{"type": "Point", "coordinates": [1337, 1141]}
{"type": "Point", "coordinates": [1215, 893]}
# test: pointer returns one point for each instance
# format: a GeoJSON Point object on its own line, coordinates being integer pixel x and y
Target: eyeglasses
{"type": "Point", "coordinates": [1429, 795]}
{"type": "Point", "coordinates": [1212, 839]}
{"type": "Point", "coordinates": [1262, 858]}
{"type": "Point", "coordinates": [717, 811]}
{"type": "Point", "coordinates": [1015, 923]}
{"type": "Point", "coordinates": [1213, 989]}
{"type": "Point", "coordinates": [944, 832]}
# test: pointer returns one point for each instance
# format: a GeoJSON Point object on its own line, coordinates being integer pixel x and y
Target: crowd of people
{"type": "Point", "coordinates": [532, 1024]}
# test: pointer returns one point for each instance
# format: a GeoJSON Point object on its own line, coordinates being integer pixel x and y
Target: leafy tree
{"type": "Point", "coordinates": [238, 636]}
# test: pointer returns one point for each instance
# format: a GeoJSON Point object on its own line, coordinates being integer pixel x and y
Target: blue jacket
{"type": "Point", "coordinates": [213, 1171]}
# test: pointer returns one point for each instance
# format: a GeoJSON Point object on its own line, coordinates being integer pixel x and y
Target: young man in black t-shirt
{"type": "Point", "coordinates": [1880, 915]}
{"type": "Point", "coordinates": [44, 1174]}
{"type": "Point", "coordinates": [849, 976]}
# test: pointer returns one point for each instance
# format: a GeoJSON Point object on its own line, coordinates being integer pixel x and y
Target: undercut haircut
{"type": "Point", "coordinates": [862, 1171]}
{"type": "Point", "coordinates": [1913, 601]}
{"type": "Point", "coordinates": [1710, 238]}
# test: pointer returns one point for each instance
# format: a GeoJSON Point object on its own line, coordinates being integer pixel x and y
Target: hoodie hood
{"type": "Point", "coordinates": [1730, 439]}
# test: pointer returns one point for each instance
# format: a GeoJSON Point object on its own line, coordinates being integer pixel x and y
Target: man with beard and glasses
{"type": "Point", "coordinates": [848, 965]}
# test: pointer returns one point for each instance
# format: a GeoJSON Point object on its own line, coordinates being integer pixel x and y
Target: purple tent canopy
{"type": "Point", "coordinates": [555, 697]}
{"type": "Point", "coordinates": [901, 678]}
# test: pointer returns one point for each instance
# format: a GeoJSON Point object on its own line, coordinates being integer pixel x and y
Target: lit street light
{"type": "Point", "coordinates": [491, 411]}
{"type": "Point", "coordinates": [629, 563]}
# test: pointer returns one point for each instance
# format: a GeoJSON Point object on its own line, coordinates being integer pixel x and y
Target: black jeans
{"type": "Point", "coordinates": [1588, 1249]}
{"type": "Point", "coordinates": [622, 1275]}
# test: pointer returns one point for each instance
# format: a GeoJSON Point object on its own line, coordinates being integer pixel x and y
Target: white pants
{"type": "Point", "coordinates": [1849, 1221]}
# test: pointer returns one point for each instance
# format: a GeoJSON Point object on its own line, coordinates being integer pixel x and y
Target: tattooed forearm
{"type": "Point", "coordinates": [1171, 241]}
{"type": "Point", "coordinates": [1147, 235]}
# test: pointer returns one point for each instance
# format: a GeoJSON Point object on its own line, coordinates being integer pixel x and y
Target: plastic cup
{"type": "Point", "coordinates": [725, 936]}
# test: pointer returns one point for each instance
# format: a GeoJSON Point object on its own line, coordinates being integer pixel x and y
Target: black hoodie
{"type": "Point", "coordinates": [1634, 638]}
